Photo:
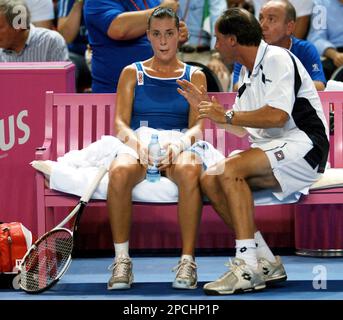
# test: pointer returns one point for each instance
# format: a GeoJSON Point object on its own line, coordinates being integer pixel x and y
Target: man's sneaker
{"type": "Point", "coordinates": [122, 276]}
{"type": "Point", "coordinates": [186, 275]}
{"type": "Point", "coordinates": [240, 278]}
{"type": "Point", "coordinates": [273, 272]}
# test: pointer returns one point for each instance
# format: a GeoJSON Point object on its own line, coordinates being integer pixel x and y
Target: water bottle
{"type": "Point", "coordinates": [154, 149]}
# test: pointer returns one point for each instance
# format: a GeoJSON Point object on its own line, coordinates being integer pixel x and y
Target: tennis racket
{"type": "Point", "coordinates": [50, 256]}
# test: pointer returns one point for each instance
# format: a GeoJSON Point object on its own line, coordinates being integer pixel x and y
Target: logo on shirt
{"type": "Point", "coordinates": [279, 155]}
{"type": "Point", "coordinates": [140, 78]}
{"type": "Point", "coordinates": [315, 67]}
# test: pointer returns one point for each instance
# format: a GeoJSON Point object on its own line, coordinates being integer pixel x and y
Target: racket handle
{"type": "Point", "coordinates": [101, 172]}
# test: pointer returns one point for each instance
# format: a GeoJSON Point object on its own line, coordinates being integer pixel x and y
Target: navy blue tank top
{"type": "Point", "coordinates": [157, 104]}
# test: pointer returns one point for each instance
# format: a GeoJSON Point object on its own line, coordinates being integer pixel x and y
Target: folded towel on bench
{"type": "Point", "coordinates": [332, 178]}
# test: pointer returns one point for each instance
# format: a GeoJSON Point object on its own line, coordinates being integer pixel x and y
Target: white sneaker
{"type": "Point", "coordinates": [122, 276]}
{"type": "Point", "coordinates": [273, 272]}
{"type": "Point", "coordinates": [186, 275]}
{"type": "Point", "coordinates": [240, 278]}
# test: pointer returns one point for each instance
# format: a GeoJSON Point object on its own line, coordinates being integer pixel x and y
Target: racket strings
{"type": "Point", "coordinates": [46, 261]}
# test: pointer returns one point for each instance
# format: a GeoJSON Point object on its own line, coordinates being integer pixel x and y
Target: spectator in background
{"type": "Point", "coordinates": [42, 13]}
{"type": "Point", "coordinates": [303, 10]}
{"type": "Point", "coordinates": [200, 17]}
{"type": "Point", "coordinates": [326, 33]}
{"type": "Point", "coordinates": [117, 35]}
{"type": "Point", "coordinates": [277, 19]}
{"type": "Point", "coordinates": [72, 27]}
{"type": "Point", "coordinates": [22, 41]}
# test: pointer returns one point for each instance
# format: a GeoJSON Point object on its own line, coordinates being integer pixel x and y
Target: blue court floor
{"type": "Point", "coordinates": [308, 279]}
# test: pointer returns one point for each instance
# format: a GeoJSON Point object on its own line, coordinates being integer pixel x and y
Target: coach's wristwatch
{"type": "Point", "coordinates": [229, 115]}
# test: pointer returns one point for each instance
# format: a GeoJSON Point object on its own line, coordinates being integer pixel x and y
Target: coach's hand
{"type": "Point", "coordinates": [191, 93]}
{"type": "Point", "coordinates": [212, 110]}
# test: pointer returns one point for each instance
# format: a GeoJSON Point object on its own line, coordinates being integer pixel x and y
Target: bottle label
{"type": "Point", "coordinates": [152, 170]}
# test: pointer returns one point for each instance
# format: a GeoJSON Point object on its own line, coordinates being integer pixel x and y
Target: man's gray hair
{"type": "Point", "coordinates": [16, 12]}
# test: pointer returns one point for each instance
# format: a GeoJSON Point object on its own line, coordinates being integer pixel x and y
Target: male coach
{"type": "Point", "coordinates": [279, 108]}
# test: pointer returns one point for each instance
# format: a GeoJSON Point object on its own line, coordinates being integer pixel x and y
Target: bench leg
{"type": "Point", "coordinates": [49, 218]}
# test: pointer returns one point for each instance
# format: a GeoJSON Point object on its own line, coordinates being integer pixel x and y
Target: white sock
{"type": "Point", "coordinates": [263, 250]}
{"type": "Point", "coordinates": [246, 250]}
{"type": "Point", "coordinates": [187, 257]}
{"type": "Point", "coordinates": [122, 249]}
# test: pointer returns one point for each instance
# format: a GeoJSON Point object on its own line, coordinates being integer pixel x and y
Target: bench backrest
{"type": "Point", "coordinates": [73, 121]}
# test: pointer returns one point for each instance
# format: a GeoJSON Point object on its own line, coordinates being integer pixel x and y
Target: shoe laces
{"type": "Point", "coordinates": [264, 263]}
{"type": "Point", "coordinates": [185, 269]}
{"type": "Point", "coordinates": [233, 265]}
{"type": "Point", "coordinates": [120, 267]}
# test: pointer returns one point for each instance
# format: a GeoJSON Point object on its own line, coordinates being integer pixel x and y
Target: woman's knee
{"type": "Point", "coordinates": [187, 173]}
{"type": "Point", "coordinates": [121, 177]}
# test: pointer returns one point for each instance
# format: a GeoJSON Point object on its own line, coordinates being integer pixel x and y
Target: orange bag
{"type": "Point", "coordinates": [15, 240]}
